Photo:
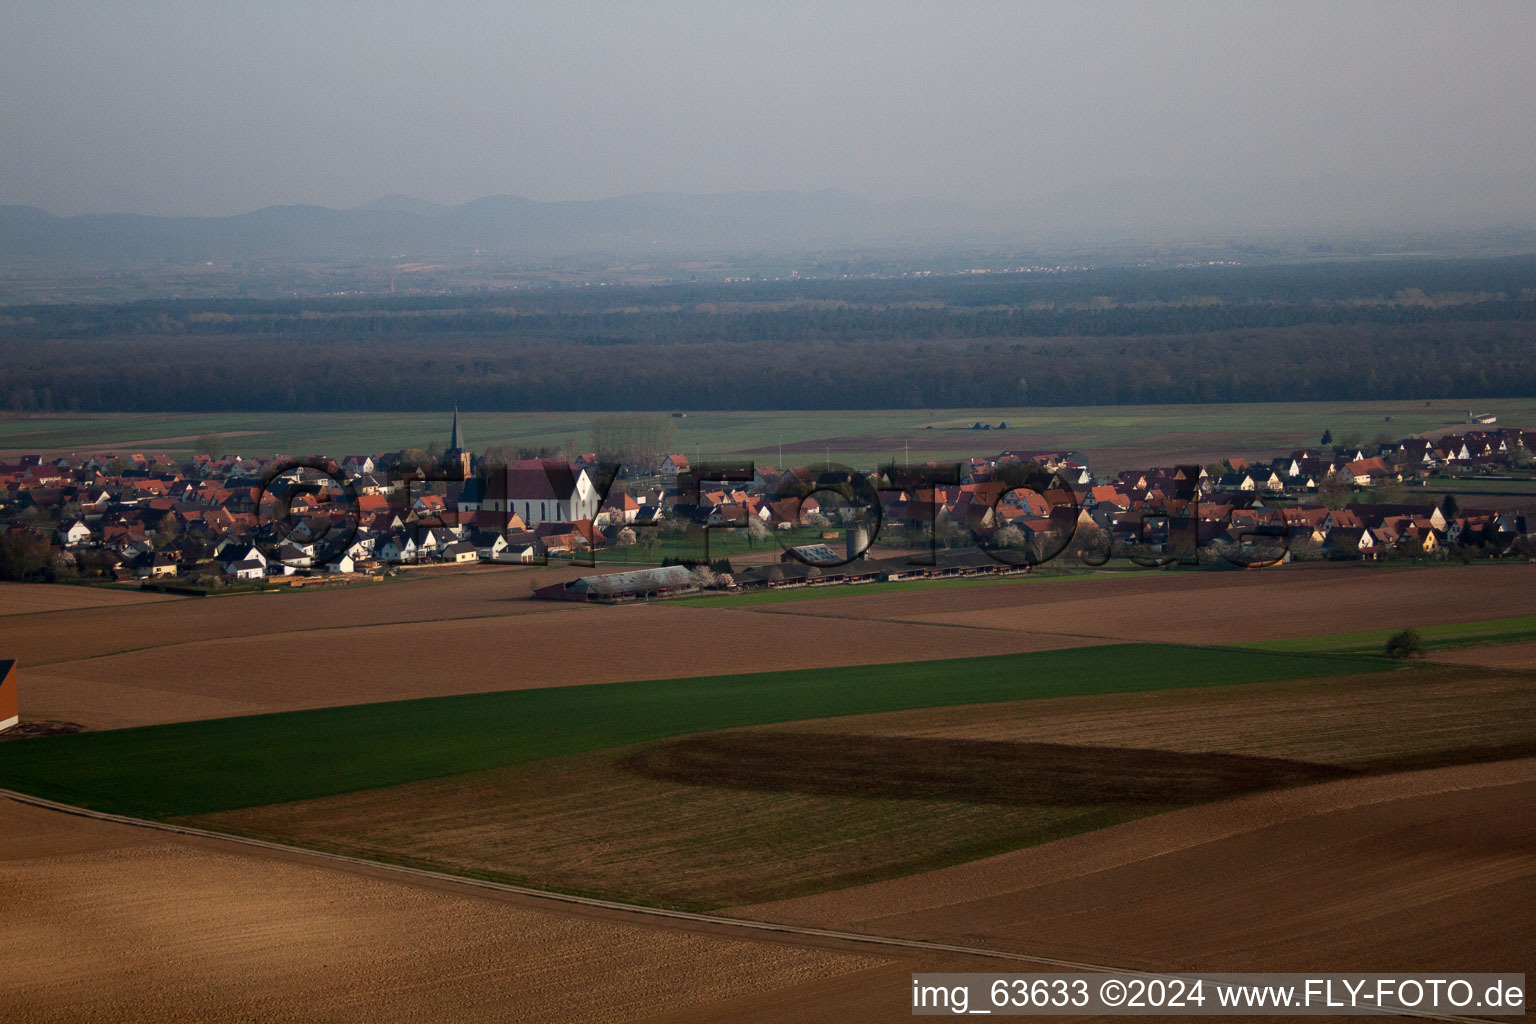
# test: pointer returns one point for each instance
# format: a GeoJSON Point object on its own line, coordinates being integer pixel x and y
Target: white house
{"type": "Point", "coordinates": [492, 552]}
{"type": "Point", "coordinates": [244, 561]}
{"type": "Point", "coordinates": [671, 466]}
{"type": "Point", "coordinates": [246, 569]}
{"type": "Point", "coordinates": [1271, 483]}
{"type": "Point", "coordinates": [398, 549]}
{"type": "Point", "coordinates": [521, 553]}
{"type": "Point", "coordinates": [75, 534]}
{"type": "Point", "coordinates": [296, 556]}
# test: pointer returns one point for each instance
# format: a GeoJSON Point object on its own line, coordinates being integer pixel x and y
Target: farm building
{"type": "Point", "coordinates": [638, 584]}
{"type": "Point", "coordinates": [10, 707]}
{"type": "Point", "coordinates": [811, 554]}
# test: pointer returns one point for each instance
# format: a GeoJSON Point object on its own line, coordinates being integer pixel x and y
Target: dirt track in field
{"type": "Point", "coordinates": [1214, 608]}
{"type": "Point", "coordinates": [1434, 869]}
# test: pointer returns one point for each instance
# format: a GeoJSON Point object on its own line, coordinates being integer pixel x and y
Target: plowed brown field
{"type": "Point", "coordinates": [1372, 720]}
{"type": "Point", "coordinates": [1517, 656]}
{"type": "Point", "coordinates": [1214, 608]}
{"type": "Point", "coordinates": [105, 922]}
{"type": "Point", "coordinates": [67, 635]}
{"type": "Point", "coordinates": [31, 598]}
{"type": "Point", "coordinates": [1419, 871]}
{"type": "Point", "coordinates": [1422, 870]}
{"type": "Point", "coordinates": [138, 662]}
{"type": "Point", "coordinates": [532, 644]}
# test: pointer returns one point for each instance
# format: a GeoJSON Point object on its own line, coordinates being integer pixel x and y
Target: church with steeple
{"type": "Point", "coordinates": [456, 458]}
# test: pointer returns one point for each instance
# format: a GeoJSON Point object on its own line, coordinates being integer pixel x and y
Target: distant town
{"type": "Point", "coordinates": [215, 522]}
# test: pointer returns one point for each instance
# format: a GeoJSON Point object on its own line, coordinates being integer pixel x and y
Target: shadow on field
{"type": "Point", "coordinates": [961, 770]}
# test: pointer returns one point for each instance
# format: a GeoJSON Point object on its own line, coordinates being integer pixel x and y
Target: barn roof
{"type": "Point", "coordinates": [668, 577]}
{"type": "Point", "coordinates": [816, 554]}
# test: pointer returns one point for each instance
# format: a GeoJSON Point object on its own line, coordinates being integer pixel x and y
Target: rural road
{"type": "Point", "coordinates": [713, 923]}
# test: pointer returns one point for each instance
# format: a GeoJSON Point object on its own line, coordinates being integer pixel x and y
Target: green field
{"type": "Point", "coordinates": [855, 437]}
{"type": "Point", "coordinates": [202, 767]}
{"type": "Point", "coordinates": [1519, 629]}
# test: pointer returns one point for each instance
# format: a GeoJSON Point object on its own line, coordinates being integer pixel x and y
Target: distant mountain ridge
{"type": "Point", "coordinates": [502, 224]}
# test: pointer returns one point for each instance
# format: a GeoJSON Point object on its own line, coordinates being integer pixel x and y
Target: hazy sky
{"type": "Point", "coordinates": [221, 108]}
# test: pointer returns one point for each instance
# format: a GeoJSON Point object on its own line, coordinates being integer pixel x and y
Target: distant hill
{"type": "Point", "coordinates": [510, 225]}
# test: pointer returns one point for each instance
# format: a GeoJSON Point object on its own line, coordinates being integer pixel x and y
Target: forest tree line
{"type": "Point", "coordinates": [1309, 363]}
{"type": "Point", "coordinates": [1316, 332]}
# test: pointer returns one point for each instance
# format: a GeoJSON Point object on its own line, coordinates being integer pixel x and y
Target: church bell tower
{"type": "Point", "coordinates": [456, 458]}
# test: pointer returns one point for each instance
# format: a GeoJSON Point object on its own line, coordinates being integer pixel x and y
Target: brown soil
{"type": "Point", "coordinates": [1215, 608]}
{"type": "Point", "coordinates": [461, 633]}
{"type": "Point", "coordinates": [1516, 656]}
{"type": "Point", "coordinates": [140, 662]}
{"type": "Point", "coordinates": [32, 598]}
{"type": "Point", "coordinates": [1380, 720]}
{"type": "Point", "coordinates": [1434, 869]}
{"type": "Point", "coordinates": [963, 770]}
{"type": "Point", "coordinates": [1179, 449]}
{"type": "Point", "coordinates": [1371, 874]}
{"type": "Point", "coordinates": [107, 922]}
{"type": "Point", "coordinates": [67, 635]}
{"type": "Point", "coordinates": [1424, 871]}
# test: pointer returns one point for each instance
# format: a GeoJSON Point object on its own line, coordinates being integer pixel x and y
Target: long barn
{"type": "Point", "coordinates": [634, 585]}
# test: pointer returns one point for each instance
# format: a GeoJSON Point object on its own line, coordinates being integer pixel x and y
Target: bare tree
{"type": "Point", "coordinates": [632, 438]}
{"type": "Point", "coordinates": [1337, 488]}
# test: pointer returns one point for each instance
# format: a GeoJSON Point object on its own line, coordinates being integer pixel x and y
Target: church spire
{"type": "Point", "coordinates": [456, 458]}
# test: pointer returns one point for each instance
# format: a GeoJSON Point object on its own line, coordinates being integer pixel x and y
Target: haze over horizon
{"type": "Point", "coordinates": [1176, 118]}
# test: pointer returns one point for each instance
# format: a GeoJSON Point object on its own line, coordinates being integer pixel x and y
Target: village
{"type": "Point", "coordinates": [212, 523]}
